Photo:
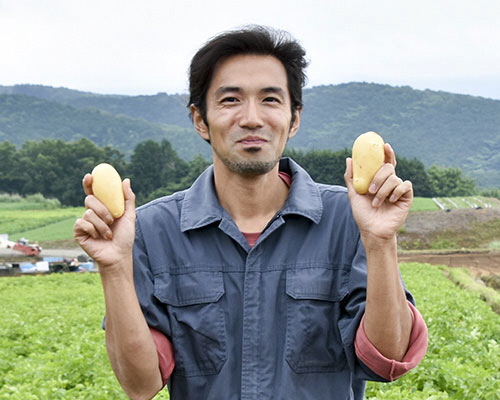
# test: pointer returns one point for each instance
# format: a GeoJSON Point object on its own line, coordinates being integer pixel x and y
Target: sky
{"type": "Point", "coordinates": [142, 47]}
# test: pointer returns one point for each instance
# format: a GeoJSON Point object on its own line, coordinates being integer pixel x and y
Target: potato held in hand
{"type": "Point", "coordinates": [367, 157]}
{"type": "Point", "coordinates": [107, 187]}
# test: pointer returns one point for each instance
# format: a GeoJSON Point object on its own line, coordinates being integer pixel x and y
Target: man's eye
{"type": "Point", "coordinates": [229, 100]}
{"type": "Point", "coordinates": [272, 100]}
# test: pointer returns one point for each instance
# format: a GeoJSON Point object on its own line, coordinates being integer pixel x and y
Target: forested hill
{"type": "Point", "coordinates": [438, 128]}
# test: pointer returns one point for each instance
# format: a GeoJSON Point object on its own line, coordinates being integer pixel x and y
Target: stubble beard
{"type": "Point", "coordinates": [251, 167]}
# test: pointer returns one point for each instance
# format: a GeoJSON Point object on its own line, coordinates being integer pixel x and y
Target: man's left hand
{"type": "Point", "coordinates": [383, 210]}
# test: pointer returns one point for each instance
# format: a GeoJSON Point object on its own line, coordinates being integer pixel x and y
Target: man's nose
{"type": "Point", "coordinates": [251, 116]}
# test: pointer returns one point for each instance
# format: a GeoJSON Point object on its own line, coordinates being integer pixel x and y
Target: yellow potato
{"type": "Point", "coordinates": [367, 157]}
{"type": "Point", "coordinates": [107, 187]}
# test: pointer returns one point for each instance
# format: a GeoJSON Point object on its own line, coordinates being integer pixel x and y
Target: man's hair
{"type": "Point", "coordinates": [251, 40]}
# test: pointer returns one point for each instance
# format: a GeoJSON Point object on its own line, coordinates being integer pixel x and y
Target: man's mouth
{"type": "Point", "coordinates": [252, 141]}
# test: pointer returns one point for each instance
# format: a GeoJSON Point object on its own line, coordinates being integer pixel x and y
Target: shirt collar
{"type": "Point", "coordinates": [304, 197]}
{"type": "Point", "coordinates": [201, 207]}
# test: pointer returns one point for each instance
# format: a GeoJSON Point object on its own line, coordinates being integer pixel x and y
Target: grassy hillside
{"type": "Point", "coordinates": [435, 127]}
{"type": "Point", "coordinates": [24, 118]}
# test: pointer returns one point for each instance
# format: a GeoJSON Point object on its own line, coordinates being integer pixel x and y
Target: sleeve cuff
{"type": "Point", "coordinates": [165, 352]}
{"type": "Point", "coordinates": [385, 367]}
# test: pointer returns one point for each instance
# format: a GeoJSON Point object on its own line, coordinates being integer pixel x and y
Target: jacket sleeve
{"type": "Point", "coordinates": [165, 352]}
{"type": "Point", "coordinates": [392, 369]}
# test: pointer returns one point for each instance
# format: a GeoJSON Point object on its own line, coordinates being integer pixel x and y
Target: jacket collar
{"type": "Point", "coordinates": [201, 207]}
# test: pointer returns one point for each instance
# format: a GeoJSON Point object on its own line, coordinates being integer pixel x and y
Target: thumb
{"type": "Point", "coordinates": [348, 174]}
{"type": "Point", "coordinates": [129, 195]}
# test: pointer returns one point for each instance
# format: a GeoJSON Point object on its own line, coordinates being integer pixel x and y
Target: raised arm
{"type": "Point", "coordinates": [379, 214]}
{"type": "Point", "coordinates": [129, 343]}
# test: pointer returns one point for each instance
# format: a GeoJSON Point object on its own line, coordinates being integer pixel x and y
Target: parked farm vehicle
{"type": "Point", "coordinates": [22, 246]}
{"type": "Point", "coordinates": [48, 265]}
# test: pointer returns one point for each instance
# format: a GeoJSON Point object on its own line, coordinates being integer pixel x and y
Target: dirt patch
{"type": "Point", "coordinates": [422, 230]}
{"type": "Point", "coordinates": [425, 222]}
{"type": "Point", "coordinates": [457, 229]}
{"type": "Point", "coordinates": [479, 262]}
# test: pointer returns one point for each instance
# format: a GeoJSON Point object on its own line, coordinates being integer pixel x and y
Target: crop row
{"type": "Point", "coordinates": [52, 344]}
{"type": "Point", "coordinates": [17, 221]}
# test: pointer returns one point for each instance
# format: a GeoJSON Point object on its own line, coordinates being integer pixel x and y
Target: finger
{"type": "Point", "coordinates": [99, 229]}
{"type": "Point", "coordinates": [404, 190]}
{"type": "Point", "coordinates": [128, 194]}
{"type": "Point", "coordinates": [392, 190]}
{"type": "Point", "coordinates": [83, 229]}
{"type": "Point", "coordinates": [87, 184]}
{"type": "Point", "coordinates": [387, 170]}
{"type": "Point", "coordinates": [93, 203]}
{"type": "Point", "coordinates": [390, 155]}
{"type": "Point", "coordinates": [385, 190]}
{"type": "Point", "coordinates": [348, 173]}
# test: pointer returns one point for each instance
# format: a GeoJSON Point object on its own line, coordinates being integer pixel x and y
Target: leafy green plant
{"type": "Point", "coordinates": [51, 341]}
{"type": "Point", "coordinates": [462, 277]}
{"type": "Point", "coordinates": [52, 344]}
{"type": "Point", "coordinates": [464, 343]}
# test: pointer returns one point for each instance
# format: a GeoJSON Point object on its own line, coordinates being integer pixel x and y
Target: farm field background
{"type": "Point", "coordinates": [51, 225]}
{"type": "Point", "coordinates": [51, 341]}
{"type": "Point", "coordinates": [52, 344]}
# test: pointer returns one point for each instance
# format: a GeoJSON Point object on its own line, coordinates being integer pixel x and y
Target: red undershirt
{"type": "Point", "coordinates": [252, 237]}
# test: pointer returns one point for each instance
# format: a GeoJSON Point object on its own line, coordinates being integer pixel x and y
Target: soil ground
{"type": "Point", "coordinates": [479, 262]}
{"type": "Point", "coordinates": [423, 226]}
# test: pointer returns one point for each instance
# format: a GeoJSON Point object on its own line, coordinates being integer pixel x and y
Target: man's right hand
{"type": "Point", "coordinates": [107, 240]}
{"type": "Point", "coordinates": [131, 349]}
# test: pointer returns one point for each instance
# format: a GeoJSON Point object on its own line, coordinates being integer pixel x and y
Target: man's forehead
{"type": "Point", "coordinates": [237, 72]}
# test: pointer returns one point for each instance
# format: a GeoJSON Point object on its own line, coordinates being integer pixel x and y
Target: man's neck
{"type": "Point", "coordinates": [251, 201]}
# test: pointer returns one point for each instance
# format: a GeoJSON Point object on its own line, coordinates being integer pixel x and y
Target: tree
{"type": "Point", "coordinates": [450, 182]}
{"type": "Point", "coordinates": [55, 168]}
{"type": "Point", "coordinates": [324, 166]}
{"type": "Point", "coordinates": [414, 170]}
{"type": "Point", "coordinates": [155, 165]}
{"type": "Point", "coordinates": [12, 174]}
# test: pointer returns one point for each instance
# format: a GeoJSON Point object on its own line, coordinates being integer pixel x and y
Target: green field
{"type": "Point", "coordinates": [39, 223]}
{"type": "Point", "coordinates": [464, 343]}
{"type": "Point", "coordinates": [51, 341]}
{"type": "Point", "coordinates": [52, 344]}
{"type": "Point", "coordinates": [453, 203]}
{"type": "Point", "coordinates": [37, 219]}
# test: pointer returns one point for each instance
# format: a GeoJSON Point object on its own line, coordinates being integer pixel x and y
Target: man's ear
{"type": "Point", "coordinates": [294, 127]}
{"type": "Point", "coordinates": [198, 122]}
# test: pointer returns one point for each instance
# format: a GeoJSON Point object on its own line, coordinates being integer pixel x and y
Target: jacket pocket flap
{"type": "Point", "coordinates": [317, 283]}
{"type": "Point", "coordinates": [190, 288]}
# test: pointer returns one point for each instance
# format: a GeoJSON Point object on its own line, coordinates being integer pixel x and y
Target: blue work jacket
{"type": "Point", "coordinates": [276, 321]}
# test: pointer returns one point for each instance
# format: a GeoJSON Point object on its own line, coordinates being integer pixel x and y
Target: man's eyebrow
{"type": "Point", "coordinates": [236, 89]}
{"type": "Point", "coordinates": [273, 89]}
{"type": "Point", "coordinates": [227, 89]}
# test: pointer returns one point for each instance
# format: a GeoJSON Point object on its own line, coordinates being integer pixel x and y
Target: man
{"type": "Point", "coordinates": [261, 283]}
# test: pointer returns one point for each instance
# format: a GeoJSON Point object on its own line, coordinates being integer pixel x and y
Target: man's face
{"type": "Point", "coordinates": [248, 113]}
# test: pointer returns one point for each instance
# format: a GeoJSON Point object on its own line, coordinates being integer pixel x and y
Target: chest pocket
{"type": "Point", "coordinates": [313, 341]}
{"type": "Point", "coordinates": [196, 318]}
